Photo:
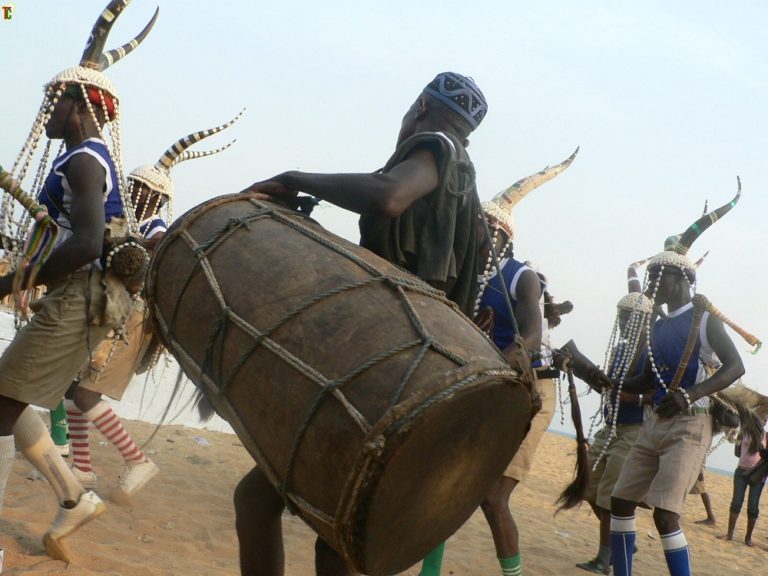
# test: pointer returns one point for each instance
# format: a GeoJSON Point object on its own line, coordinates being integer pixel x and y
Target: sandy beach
{"type": "Point", "coordinates": [183, 521]}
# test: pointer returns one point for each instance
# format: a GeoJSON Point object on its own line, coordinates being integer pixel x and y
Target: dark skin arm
{"type": "Point", "coordinates": [642, 383]}
{"type": "Point", "coordinates": [387, 195]}
{"type": "Point", "coordinates": [731, 370]}
{"type": "Point", "coordinates": [527, 314]}
{"type": "Point", "coordinates": [86, 177]}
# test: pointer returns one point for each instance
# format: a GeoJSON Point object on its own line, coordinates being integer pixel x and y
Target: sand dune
{"type": "Point", "coordinates": [183, 521]}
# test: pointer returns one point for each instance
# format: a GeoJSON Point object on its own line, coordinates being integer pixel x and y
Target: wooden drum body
{"type": "Point", "coordinates": [380, 413]}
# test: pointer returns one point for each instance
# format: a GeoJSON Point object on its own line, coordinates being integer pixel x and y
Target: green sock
{"type": "Point", "coordinates": [511, 566]}
{"type": "Point", "coordinates": [433, 562]}
{"type": "Point", "coordinates": [59, 425]}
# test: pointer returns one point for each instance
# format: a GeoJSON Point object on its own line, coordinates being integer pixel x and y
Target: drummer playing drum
{"type": "Point", "coordinates": [419, 212]}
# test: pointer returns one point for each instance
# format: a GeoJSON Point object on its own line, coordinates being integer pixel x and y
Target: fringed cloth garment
{"type": "Point", "coordinates": [436, 237]}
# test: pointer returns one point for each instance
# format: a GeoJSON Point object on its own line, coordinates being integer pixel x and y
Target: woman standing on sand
{"type": "Point", "coordinates": [749, 445]}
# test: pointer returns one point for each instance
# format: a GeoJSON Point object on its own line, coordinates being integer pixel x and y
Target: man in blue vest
{"type": "Point", "coordinates": [666, 459]}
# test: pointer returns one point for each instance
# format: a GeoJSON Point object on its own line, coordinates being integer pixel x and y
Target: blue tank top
{"type": "Point", "coordinates": [668, 341]}
{"type": "Point", "coordinates": [56, 194]}
{"type": "Point", "coordinates": [631, 412]}
{"type": "Point", "coordinates": [152, 226]}
{"type": "Point", "coordinates": [493, 296]}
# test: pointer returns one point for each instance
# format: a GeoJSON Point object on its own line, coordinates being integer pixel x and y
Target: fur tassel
{"type": "Point", "coordinates": [205, 409]}
{"type": "Point", "coordinates": [574, 493]}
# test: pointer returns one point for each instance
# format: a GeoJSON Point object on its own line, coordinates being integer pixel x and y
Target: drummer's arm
{"type": "Point", "coordinates": [381, 194]}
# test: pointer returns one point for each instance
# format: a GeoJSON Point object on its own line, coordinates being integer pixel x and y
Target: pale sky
{"type": "Point", "coordinates": [667, 101]}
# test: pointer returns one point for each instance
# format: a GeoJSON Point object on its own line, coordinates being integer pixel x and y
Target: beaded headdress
{"type": "Point", "coordinates": [157, 176]}
{"type": "Point", "coordinates": [499, 209]}
{"type": "Point", "coordinates": [461, 94]}
{"type": "Point", "coordinates": [621, 355]}
{"type": "Point", "coordinates": [88, 76]}
{"type": "Point", "coordinates": [498, 215]}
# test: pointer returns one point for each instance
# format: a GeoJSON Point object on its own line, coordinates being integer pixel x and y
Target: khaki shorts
{"type": "Point", "coordinates": [114, 362]}
{"type": "Point", "coordinates": [665, 461]}
{"type": "Point", "coordinates": [698, 486]}
{"type": "Point", "coordinates": [46, 355]}
{"type": "Point", "coordinates": [523, 460]}
{"type": "Point", "coordinates": [603, 478]}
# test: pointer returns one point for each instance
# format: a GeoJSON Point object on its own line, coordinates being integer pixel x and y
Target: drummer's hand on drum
{"type": "Point", "coordinates": [271, 189]}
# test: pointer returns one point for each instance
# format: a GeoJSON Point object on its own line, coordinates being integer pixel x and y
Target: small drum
{"type": "Point", "coordinates": [380, 413]}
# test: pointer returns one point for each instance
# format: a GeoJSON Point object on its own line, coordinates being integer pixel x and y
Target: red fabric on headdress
{"type": "Point", "coordinates": [95, 99]}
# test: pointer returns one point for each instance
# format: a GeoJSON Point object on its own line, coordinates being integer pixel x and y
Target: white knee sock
{"type": "Point", "coordinates": [7, 455]}
{"type": "Point", "coordinates": [34, 441]}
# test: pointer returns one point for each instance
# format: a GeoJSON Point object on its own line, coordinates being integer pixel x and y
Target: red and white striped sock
{"type": "Point", "coordinates": [78, 426]}
{"type": "Point", "coordinates": [109, 424]}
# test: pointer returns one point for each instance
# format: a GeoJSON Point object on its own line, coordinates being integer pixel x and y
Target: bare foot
{"type": "Point", "coordinates": [724, 537]}
{"type": "Point", "coordinates": [749, 542]}
{"type": "Point", "coordinates": [707, 522]}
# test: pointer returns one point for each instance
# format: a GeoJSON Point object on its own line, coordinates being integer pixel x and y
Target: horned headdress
{"type": "Point", "coordinates": [157, 176]}
{"type": "Point", "coordinates": [499, 209]}
{"type": "Point", "coordinates": [676, 247]}
{"type": "Point", "coordinates": [85, 81]}
{"type": "Point", "coordinates": [498, 214]}
{"type": "Point", "coordinates": [623, 356]}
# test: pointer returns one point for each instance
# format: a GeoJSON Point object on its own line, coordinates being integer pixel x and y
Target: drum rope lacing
{"type": "Point", "coordinates": [424, 341]}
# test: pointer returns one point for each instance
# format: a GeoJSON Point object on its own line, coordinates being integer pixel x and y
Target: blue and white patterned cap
{"type": "Point", "coordinates": [461, 94]}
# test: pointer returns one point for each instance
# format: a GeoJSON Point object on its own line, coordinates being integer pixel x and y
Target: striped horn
{"type": "Point", "coordinates": [177, 152]}
{"type": "Point", "coordinates": [697, 228]}
{"type": "Point", "coordinates": [191, 155]}
{"type": "Point", "coordinates": [512, 195]}
{"type": "Point", "coordinates": [115, 55]}
{"type": "Point", "coordinates": [93, 49]}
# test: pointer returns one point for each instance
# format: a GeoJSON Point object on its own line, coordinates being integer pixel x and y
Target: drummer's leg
{"type": "Point", "coordinates": [258, 512]}
{"type": "Point", "coordinates": [328, 562]}
{"type": "Point", "coordinates": [500, 520]}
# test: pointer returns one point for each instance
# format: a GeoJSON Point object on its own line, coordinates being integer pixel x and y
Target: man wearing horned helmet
{"type": "Point", "coordinates": [516, 298]}
{"type": "Point", "coordinates": [82, 193]}
{"type": "Point", "coordinates": [665, 461]}
{"type": "Point", "coordinates": [513, 306]}
{"type": "Point", "coordinates": [622, 414]}
{"type": "Point", "coordinates": [419, 212]}
{"type": "Point", "coordinates": [117, 359]}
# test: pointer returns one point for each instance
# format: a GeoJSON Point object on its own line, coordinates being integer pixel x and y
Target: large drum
{"type": "Point", "coordinates": [380, 412]}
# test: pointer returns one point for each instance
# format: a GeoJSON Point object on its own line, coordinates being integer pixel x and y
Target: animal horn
{"type": "Point", "coordinates": [191, 155]}
{"type": "Point", "coordinates": [512, 195]}
{"type": "Point", "coordinates": [176, 153]}
{"type": "Point", "coordinates": [93, 49]}
{"type": "Point", "coordinates": [700, 261]}
{"type": "Point", "coordinates": [108, 58]}
{"type": "Point", "coordinates": [697, 228]}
